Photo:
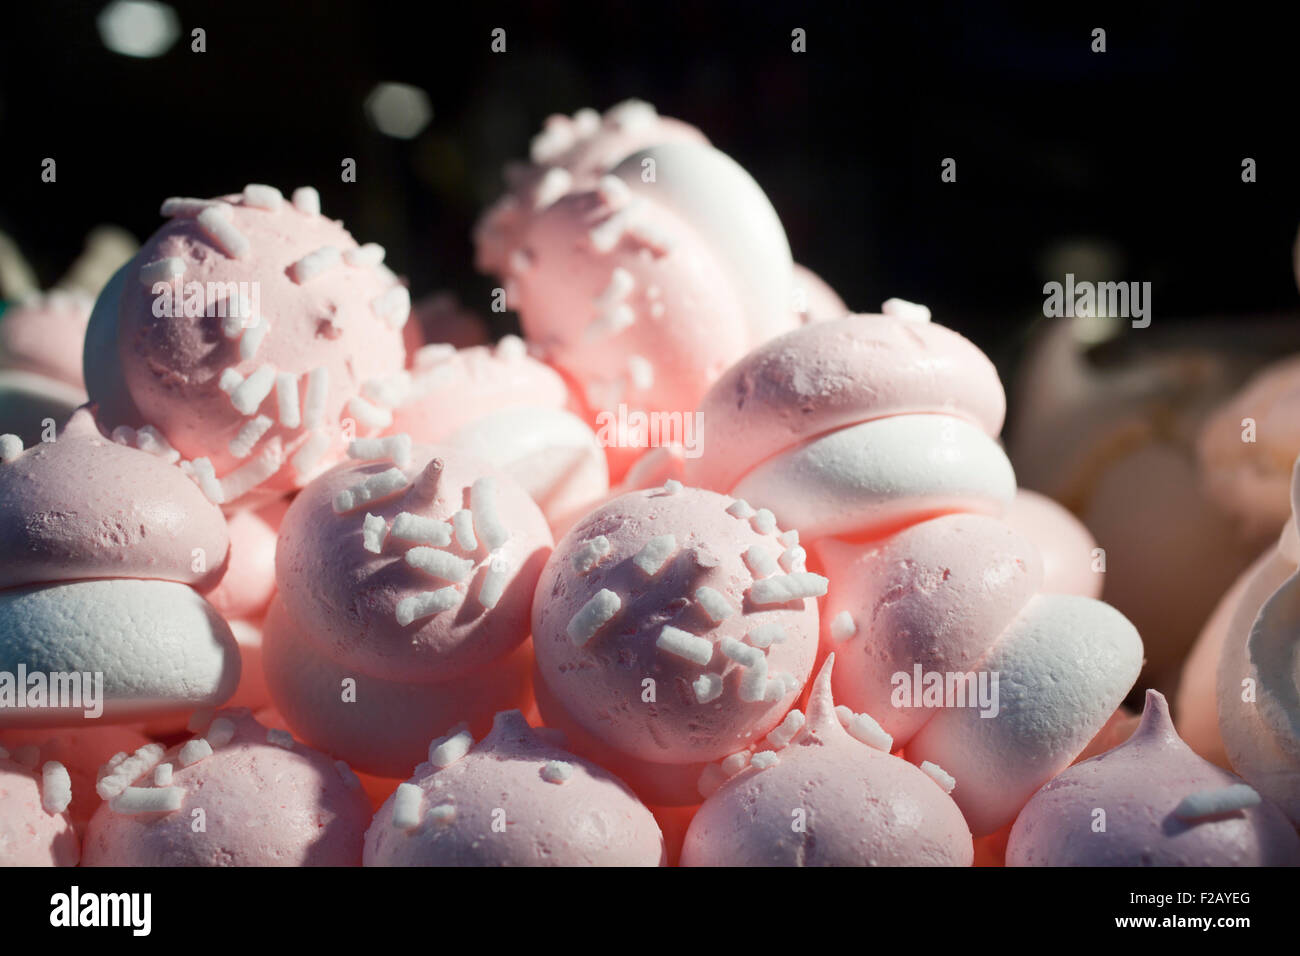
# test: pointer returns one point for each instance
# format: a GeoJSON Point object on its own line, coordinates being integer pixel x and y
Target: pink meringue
{"type": "Point", "coordinates": [263, 799]}
{"type": "Point", "coordinates": [35, 829]}
{"type": "Point", "coordinates": [43, 335]}
{"type": "Point", "coordinates": [675, 626]}
{"type": "Point", "coordinates": [260, 393]}
{"type": "Point", "coordinates": [514, 798]}
{"type": "Point", "coordinates": [1151, 802]}
{"type": "Point", "coordinates": [826, 798]}
{"type": "Point", "coordinates": [1068, 550]}
{"type": "Point", "coordinates": [814, 299]}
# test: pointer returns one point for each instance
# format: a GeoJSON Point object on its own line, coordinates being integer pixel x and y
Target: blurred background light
{"type": "Point", "coordinates": [399, 110]}
{"type": "Point", "coordinates": [139, 28]}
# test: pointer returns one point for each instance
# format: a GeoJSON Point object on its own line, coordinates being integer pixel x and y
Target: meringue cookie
{"type": "Point", "coordinates": [826, 798]}
{"type": "Point", "coordinates": [1067, 548]}
{"type": "Point", "coordinates": [511, 799]}
{"type": "Point", "coordinates": [43, 335]}
{"type": "Point", "coordinates": [265, 800]}
{"type": "Point", "coordinates": [262, 397]}
{"type": "Point", "coordinates": [30, 833]}
{"type": "Point", "coordinates": [1150, 802]}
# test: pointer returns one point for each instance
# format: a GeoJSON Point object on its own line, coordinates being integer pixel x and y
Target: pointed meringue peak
{"type": "Point", "coordinates": [82, 422]}
{"type": "Point", "coordinates": [821, 703]}
{"type": "Point", "coordinates": [1155, 727]}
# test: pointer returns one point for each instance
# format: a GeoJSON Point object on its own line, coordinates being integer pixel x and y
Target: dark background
{"type": "Point", "coordinates": [1137, 150]}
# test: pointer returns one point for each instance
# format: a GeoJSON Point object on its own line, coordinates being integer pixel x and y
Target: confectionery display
{"type": "Point", "coordinates": [705, 567]}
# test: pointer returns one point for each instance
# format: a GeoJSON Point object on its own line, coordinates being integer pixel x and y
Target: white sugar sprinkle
{"type": "Point", "coordinates": [286, 397]}
{"type": "Point", "coordinates": [785, 731]}
{"type": "Point", "coordinates": [556, 771]}
{"type": "Point", "coordinates": [740, 508]}
{"type": "Point", "coordinates": [374, 530]}
{"type": "Point", "coordinates": [619, 288]}
{"type": "Point", "coordinates": [318, 383]}
{"type": "Point", "coordinates": [263, 197]}
{"type": "Point", "coordinates": [217, 226]}
{"type": "Point", "coordinates": [426, 603]}
{"type": "Point", "coordinates": [902, 309]}
{"type": "Point", "coordinates": [863, 728]}
{"type": "Point", "coordinates": [940, 776]}
{"type": "Point", "coordinates": [707, 687]}
{"type": "Point", "coordinates": [553, 184]}
{"type": "Point", "coordinates": [123, 435]}
{"type": "Point", "coordinates": [314, 264]}
{"type": "Point", "coordinates": [593, 615]}
{"type": "Point", "coordinates": [760, 561]}
{"type": "Point", "coordinates": [220, 733]}
{"type": "Point", "coordinates": [767, 634]}
{"type": "Point", "coordinates": [445, 751]}
{"type": "Point", "coordinates": [255, 471]}
{"type": "Point", "coordinates": [652, 557]}
{"type": "Point", "coordinates": [194, 751]}
{"type": "Point", "coordinates": [789, 538]}
{"type": "Point", "coordinates": [782, 588]}
{"type": "Point", "coordinates": [11, 446]}
{"type": "Point", "coordinates": [249, 394]}
{"type": "Point", "coordinates": [1209, 803]}
{"type": "Point", "coordinates": [371, 416]}
{"type": "Point", "coordinates": [306, 200]}
{"type": "Point", "coordinates": [187, 208]}
{"type": "Point", "coordinates": [442, 815]}
{"type": "Point", "coordinates": [764, 759]}
{"type": "Point", "coordinates": [793, 559]}
{"type": "Point", "coordinates": [672, 486]}
{"type": "Point", "coordinates": [742, 654]}
{"type": "Point", "coordinates": [588, 554]}
{"type": "Point", "coordinates": [679, 643]}
{"type": "Point", "coordinates": [764, 521]}
{"type": "Point", "coordinates": [494, 582]}
{"type": "Point", "coordinates": [207, 479]}
{"type": "Point", "coordinates": [439, 564]}
{"type": "Point", "coordinates": [252, 340]}
{"type": "Point", "coordinates": [241, 446]}
{"type": "Point", "coordinates": [407, 801]}
{"type": "Point", "coordinates": [487, 520]}
{"type": "Point", "coordinates": [717, 607]}
{"type": "Point", "coordinates": [162, 775]}
{"type": "Point", "coordinates": [56, 787]}
{"type": "Point", "coordinates": [395, 448]}
{"type": "Point", "coordinates": [154, 442]}
{"type": "Point", "coordinates": [371, 488]}
{"type": "Point", "coordinates": [394, 306]}
{"type": "Point", "coordinates": [642, 372]}
{"type": "Point", "coordinates": [843, 626]}
{"type": "Point", "coordinates": [229, 380]}
{"type": "Point", "coordinates": [367, 256]}
{"type": "Point", "coordinates": [413, 527]}
{"type": "Point", "coordinates": [462, 522]}
{"type": "Point", "coordinates": [137, 800]}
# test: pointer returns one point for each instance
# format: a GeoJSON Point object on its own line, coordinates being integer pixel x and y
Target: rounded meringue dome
{"type": "Point", "coordinates": [266, 800]}
{"type": "Point", "coordinates": [825, 798]}
{"type": "Point", "coordinates": [667, 586]}
{"type": "Point", "coordinates": [511, 799]}
{"type": "Point", "coordinates": [262, 397]}
{"type": "Point", "coordinates": [1151, 802]}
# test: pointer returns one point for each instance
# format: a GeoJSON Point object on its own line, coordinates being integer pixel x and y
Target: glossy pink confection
{"type": "Point", "coordinates": [815, 300]}
{"type": "Point", "coordinates": [84, 506]}
{"type": "Point", "coordinates": [262, 395]}
{"type": "Point", "coordinates": [668, 586]}
{"type": "Point", "coordinates": [43, 336]}
{"type": "Point", "coordinates": [958, 595]}
{"type": "Point", "coordinates": [30, 834]}
{"type": "Point", "coordinates": [81, 752]}
{"type": "Point", "coordinates": [246, 588]}
{"type": "Point", "coordinates": [856, 426]}
{"type": "Point", "coordinates": [1062, 541]}
{"type": "Point", "coordinates": [1164, 806]}
{"type": "Point", "coordinates": [570, 152]}
{"type": "Point", "coordinates": [266, 799]}
{"type": "Point", "coordinates": [558, 809]}
{"type": "Point", "coordinates": [858, 805]}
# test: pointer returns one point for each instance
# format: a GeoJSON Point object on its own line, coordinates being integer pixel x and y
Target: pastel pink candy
{"type": "Point", "coordinates": [81, 752]}
{"type": "Point", "coordinates": [559, 810]}
{"type": "Point", "coordinates": [263, 805]}
{"type": "Point", "coordinates": [1141, 786]}
{"type": "Point", "coordinates": [30, 835]}
{"type": "Point", "coordinates": [43, 335]}
{"type": "Point", "coordinates": [860, 806]}
{"type": "Point", "coordinates": [83, 506]}
{"type": "Point", "coordinates": [1062, 541]}
{"type": "Point", "coordinates": [576, 152]}
{"type": "Point", "coordinates": [663, 631]}
{"type": "Point", "coordinates": [337, 319]}
{"type": "Point", "coordinates": [856, 426]}
{"type": "Point", "coordinates": [628, 301]}
{"type": "Point", "coordinates": [347, 597]}
{"type": "Point", "coordinates": [384, 726]}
